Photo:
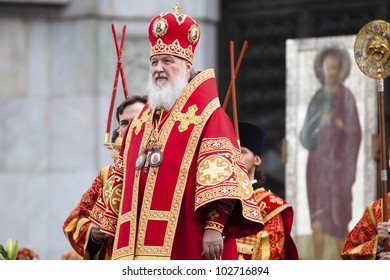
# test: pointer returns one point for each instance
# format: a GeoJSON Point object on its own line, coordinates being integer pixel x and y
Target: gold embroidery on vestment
{"type": "Point", "coordinates": [214, 170]}
{"type": "Point", "coordinates": [227, 184]}
{"type": "Point", "coordinates": [213, 214]}
{"type": "Point", "coordinates": [262, 207]}
{"type": "Point", "coordinates": [137, 122]}
{"type": "Point", "coordinates": [276, 199]}
{"type": "Point", "coordinates": [244, 183]}
{"type": "Point", "coordinates": [188, 118]}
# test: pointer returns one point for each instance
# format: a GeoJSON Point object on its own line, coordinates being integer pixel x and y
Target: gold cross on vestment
{"type": "Point", "coordinates": [176, 8]}
{"type": "Point", "coordinates": [187, 118]}
{"type": "Point", "coordinates": [213, 214]}
{"type": "Point", "coordinates": [137, 122]}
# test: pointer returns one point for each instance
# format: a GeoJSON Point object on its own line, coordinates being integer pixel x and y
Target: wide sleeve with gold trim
{"type": "Point", "coordinates": [221, 175]}
{"type": "Point", "coordinates": [362, 241]}
{"type": "Point", "coordinates": [77, 226]}
{"type": "Point", "coordinates": [106, 209]}
{"type": "Point", "coordinates": [277, 244]}
{"type": "Point", "coordinates": [274, 242]}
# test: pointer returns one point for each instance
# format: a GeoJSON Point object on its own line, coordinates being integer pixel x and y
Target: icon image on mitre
{"type": "Point", "coordinates": [193, 34]}
{"type": "Point", "coordinates": [160, 27]}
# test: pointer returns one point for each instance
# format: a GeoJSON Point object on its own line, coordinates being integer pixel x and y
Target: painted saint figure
{"type": "Point", "coordinates": [331, 133]}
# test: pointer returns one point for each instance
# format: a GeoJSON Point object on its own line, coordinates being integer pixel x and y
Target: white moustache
{"type": "Point", "coordinates": [160, 75]}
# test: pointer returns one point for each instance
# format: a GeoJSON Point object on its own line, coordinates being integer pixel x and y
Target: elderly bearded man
{"type": "Point", "coordinates": [186, 192]}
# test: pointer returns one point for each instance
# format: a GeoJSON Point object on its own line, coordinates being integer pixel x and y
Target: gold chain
{"type": "Point", "coordinates": [151, 155]}
{"type": "Point", "coordinates": [156, 127]}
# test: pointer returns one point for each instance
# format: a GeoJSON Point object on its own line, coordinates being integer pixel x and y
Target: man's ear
{"type": "Point", "coordinates": [257, 160]}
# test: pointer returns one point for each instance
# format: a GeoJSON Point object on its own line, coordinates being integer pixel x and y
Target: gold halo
{"type": "Point", "coordinates": [372, 48]}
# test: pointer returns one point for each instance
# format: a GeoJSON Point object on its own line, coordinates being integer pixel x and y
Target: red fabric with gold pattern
{"type": "Point", "coordinates": [77, 226]}
{"type": "Point", "coordinates": [105, 211]}
{"type": "Point", "coordinates": [274, 242]}
{"type": "Point", "coordinates": [362, 241]}
{"type": "Point", "coordinates": [157, 209]}
{"type": "Point", "coordinates": [218, 213]}
{"type": "Point", "coordinates": [175, 34]}
{"type": "Point", "coordinates": [222, 175]}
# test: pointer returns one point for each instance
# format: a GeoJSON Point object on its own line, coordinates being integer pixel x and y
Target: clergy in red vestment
{"type": "Point", "coordinates": [367, 239]}
{"type": "Point", "coordinates": [186, 192]}
{"type": "Point", "coordinates": [90, 227]}
{"type": "Point", "coordinates": [274, 242]}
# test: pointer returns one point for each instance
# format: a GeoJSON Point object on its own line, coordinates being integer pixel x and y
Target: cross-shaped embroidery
{"type": "Point", "coordinates": [275, 199]}
{"type": "Point", "coordinates": [137, 122]}
{"type": "Point", "coordinates": [213, 214]}
{"type": "Point", "coordinates": [188, 118]}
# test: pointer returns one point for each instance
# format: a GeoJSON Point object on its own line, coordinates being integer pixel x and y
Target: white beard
{"type": "Point", "coordinates": [165, 96]}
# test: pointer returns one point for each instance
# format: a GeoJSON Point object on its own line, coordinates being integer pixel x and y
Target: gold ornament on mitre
{"type": "Point", "coordinates": [372, 49]}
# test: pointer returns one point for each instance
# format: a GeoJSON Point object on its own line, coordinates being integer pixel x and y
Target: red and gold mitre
{"type": "Point", "coordinates": [175, 34]}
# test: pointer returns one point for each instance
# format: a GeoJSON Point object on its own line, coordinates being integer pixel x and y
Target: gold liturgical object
{"type": "Point", "coordinates": [372, 50]}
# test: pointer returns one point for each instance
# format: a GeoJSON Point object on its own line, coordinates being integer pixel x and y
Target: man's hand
{"type": "Point", "coordinates": [326, 118]}
{"type": "Point", "coordinates": [97, 235]}
{"type": "Point", "coordinates": [384, 256]}
{"type": "Point", "coordinates": [339, 123]}
{"type": "Point", "coordinates": [383, 233]}
{"type": "Point", "coordinates": [212, 243]}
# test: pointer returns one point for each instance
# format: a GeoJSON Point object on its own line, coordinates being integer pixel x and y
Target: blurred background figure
{"type": "Point", "coordinates": [26, 253]}
{"type": "Point", "coordinates": [331, 133]}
